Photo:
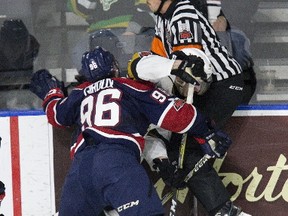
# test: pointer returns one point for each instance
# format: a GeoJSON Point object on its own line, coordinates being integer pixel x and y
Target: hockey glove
{"type": "Point", "coordinates": [42, 82]}
{"type": "Point", "coordinates": [169, 173]}
{"type": "Point", "coordinates": [215, 144]}
{"type": "Point", "coordinates": [194, 62]}
{"type": "Point", "coordinates": [183, 75]}
{"type": "Point", "coordinates": [2, 191]}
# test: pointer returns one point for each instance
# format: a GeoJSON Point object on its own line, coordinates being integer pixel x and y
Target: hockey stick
{"type": "Point", "coordinates": [174, 192]}
{"type": "Point", "coordinates": [197, 166]}
{"type": "Point", "coordinates": [189, 100]}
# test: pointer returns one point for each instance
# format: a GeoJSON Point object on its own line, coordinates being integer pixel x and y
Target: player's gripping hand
{"type": "Point", "coordinates": [169, 173]}
{"type": "Point", "coordinates": [195, 63]}
{"type": "Point", "coordinates": [215, 143]}
{"type": "Point", "coordinates": [183, 74]}
{"type": "Point", "coordinates": [42, 82]}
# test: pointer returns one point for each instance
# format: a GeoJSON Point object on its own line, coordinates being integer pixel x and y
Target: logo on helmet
{"type": "Point", "coordinates": [93, 65]}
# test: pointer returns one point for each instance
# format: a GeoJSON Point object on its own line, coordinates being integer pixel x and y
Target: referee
{"type": "Point", "coordinates": [179, 25]}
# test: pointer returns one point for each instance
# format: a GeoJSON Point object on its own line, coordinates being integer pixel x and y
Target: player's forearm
{"type": "Point", "coordinates": [153, 67]}
{"type": "Point", "coordinates": [51, 113]}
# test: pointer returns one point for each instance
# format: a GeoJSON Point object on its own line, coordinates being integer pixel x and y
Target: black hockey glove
{"type": "Point", "coordinates": [2, 187]}
{"type": "Point", "coordinates": [169, 173]}
{"type": "Point", "coordinates": [2, 191]}
{"type": "Point", "coordinates": [194, 62]}
{"type": "Point", "coordinates": [42, 82]}
{"type": "Point", "coordinates": [215, 144]}
{"type": "Point", "coordinates": [183, 75]}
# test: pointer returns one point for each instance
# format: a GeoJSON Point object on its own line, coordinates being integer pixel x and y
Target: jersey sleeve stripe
{"type": "Point", "coordinates": [52, 113]}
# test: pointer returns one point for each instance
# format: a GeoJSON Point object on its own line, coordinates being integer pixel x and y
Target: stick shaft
{"type": "Point", "coordinates": [189, 100]}
{"type": "Point", "coordinates": [173, 194]}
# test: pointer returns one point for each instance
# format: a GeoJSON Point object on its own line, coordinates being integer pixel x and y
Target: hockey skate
{"type": "Point", "coordinates": [231, 210]}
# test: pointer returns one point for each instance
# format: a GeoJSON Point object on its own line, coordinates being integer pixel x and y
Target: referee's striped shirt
{"type": "Point", "coordinates": [182, 26]}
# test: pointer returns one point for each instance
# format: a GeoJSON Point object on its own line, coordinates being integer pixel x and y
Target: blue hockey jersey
{"type": "Point", "coordinates": [120, 110]}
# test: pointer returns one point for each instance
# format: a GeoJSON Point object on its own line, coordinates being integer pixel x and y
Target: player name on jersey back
{"type": "Point", "coordinates": [99, 85]}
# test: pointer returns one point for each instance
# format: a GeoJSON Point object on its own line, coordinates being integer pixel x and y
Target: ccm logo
{"type": "Point", "coordinates": [237, 88]}
{"type": "Point", "coordinates": [127, 205]}
{"type": "Point", "coordinates": [173, 208]}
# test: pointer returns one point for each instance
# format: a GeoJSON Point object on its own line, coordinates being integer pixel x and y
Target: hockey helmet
{"type": "Point", "coordinates": [208, 69]}
{"type": "Point", "coordinates": [98, 64]}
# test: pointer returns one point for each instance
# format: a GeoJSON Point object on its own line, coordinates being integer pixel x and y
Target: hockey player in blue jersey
{"type": "Point", "coordinates": [114, 114]}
